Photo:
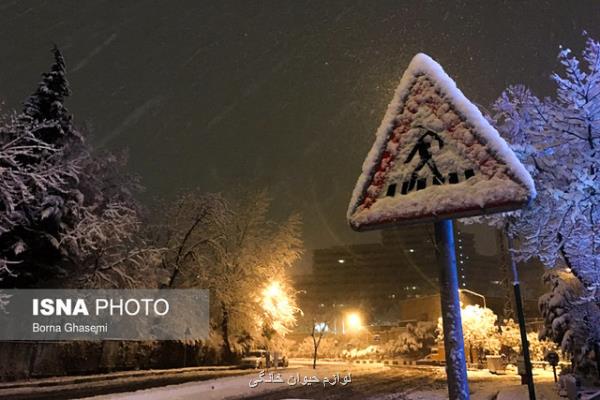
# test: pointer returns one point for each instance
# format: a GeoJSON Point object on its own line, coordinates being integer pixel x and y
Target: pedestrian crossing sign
{"type": "Point", "coordinates": [435, 157]}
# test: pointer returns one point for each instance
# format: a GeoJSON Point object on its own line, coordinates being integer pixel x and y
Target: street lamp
{"type": "Point", "coordinates": [353, 322]}
{"type": "Point", "coordinates": [475, 294]}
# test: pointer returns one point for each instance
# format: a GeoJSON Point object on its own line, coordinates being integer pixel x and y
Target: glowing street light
{"type": "Point", "coordinates": [353, 322]}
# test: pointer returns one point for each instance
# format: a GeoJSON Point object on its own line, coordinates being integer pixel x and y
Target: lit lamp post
{"type": "Point", "coordinates": [353, 322]}
{"type": "Point", "coordinates": [461, 291]}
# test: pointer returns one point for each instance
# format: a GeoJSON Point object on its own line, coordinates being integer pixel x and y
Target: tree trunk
{"type": "Point", "coordinates": [471, 352]}
{"type": "Point", "coordinates": [227, 353]}
{"type": "Point", "coordinates": [316, 344]}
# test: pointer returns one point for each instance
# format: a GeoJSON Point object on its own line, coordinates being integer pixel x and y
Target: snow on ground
{"type": "Point", "coordinates": [369, 382]}
{"type": "Point", "coordinates": [487, 386]}
{"type": "Point", "coordinates": [232, 387]}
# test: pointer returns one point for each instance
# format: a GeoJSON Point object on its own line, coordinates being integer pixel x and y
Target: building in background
{"type": "Point", "coordinates": [394, 280]}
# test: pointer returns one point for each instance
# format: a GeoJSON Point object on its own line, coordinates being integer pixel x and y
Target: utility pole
{"type": "Point", "coordinates": [521, 317]}
{"type": "Point", "coordinates": [507, 309]}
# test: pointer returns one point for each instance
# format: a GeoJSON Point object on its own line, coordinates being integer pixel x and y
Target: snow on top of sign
{"type": "Point", "coordinates": [491, 143]}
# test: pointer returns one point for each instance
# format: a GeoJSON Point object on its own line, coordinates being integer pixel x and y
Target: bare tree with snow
{"type": "Point", "coordinates": [233, 248]}
{"type": "Point", "coordinates": [557, 139]}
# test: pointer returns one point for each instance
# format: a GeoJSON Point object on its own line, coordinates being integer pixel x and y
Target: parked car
{"type": "Point", "coordinates": [255, 359]}
{"type": "Point", "coordinates": [282, 360]}
{"type": "Point", "coordinates": [262, 359]}
{"type": "Point", "coordinates": [434, 358]}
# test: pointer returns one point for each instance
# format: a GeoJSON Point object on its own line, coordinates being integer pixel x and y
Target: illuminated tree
{"type": "Point", "coordinates": [278, 301]}
{"type": "Point", "coordinates": [479, 330]}
{"type": "Point", "coordinates": [510, 340]}
{"type": "Point", "coordinates": [557, 139]}
{"type": "Point", "coordinates": [232, 248]}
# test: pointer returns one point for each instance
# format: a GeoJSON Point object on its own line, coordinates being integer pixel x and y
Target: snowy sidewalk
{"type": "Point", "coordinates": [487, 386]}
{"type": "Point", "coordinates": [488, 392]}
{"type": "Point", "coordinates": [543, 391]}
{"type": "Point", "coordinates": [74, 386]}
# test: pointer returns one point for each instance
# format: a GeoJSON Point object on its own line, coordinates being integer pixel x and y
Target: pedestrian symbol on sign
{"type": "Point", "coordinates": [417, 177]}
{"type": "Point", "coordinates": [423, 147]}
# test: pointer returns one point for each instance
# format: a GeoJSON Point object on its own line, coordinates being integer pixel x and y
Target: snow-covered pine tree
{"type": "Point", "coordinates": [32, 172]}
{"type": "Point", "coordinates": [46, 105]}
{"type": "Point", "coordinates": [46, 211]}
{"type": "Point", "coordinates": [66, 218]}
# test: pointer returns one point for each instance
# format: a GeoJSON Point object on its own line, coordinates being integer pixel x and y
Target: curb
{"type": "Point", "coordinates": [386, 362]}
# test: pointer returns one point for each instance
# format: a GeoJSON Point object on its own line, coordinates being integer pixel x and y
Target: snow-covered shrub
{"type": "Point", "coordinates": [479, 331]}
{"type": "Point", "coordinates": [571, 318]}
{"type": "Point", "coordinates": [510, 342]}
{"type": "Point", "coordinates": [370, 351]}
{"type": "Point", "coordinates": [330, 347]}
{"type": "Point", "coordinates": [539, 348]}
{"type": "Point", "coordinates": [416, 341]}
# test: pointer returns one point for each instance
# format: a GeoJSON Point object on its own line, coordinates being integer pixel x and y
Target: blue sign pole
{"type": "Point", "coordinates": [456, 367]}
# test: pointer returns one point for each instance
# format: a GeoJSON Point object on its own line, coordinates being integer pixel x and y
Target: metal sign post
{"type": "Point", "coordinates": [521, 318]}
{"type": "Point", "coordinates": [435, 158]}
{"type": "Point", "coordinates": [456, 368]}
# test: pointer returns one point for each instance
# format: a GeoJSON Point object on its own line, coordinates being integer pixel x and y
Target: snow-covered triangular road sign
{"type": "Point", "coordinates": [435, 157]}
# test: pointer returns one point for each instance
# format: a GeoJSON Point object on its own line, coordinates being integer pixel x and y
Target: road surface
{"type": "Point", "coordinates": [368, 382]}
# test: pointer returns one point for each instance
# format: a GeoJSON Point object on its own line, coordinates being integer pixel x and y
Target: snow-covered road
{"type": "Point", "coordinates": [239, 386]}
{"type": "Point", "coordinates": [370, 382]}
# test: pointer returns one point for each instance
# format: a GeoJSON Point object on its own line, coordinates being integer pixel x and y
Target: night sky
{"type": "Point", "coordinates": [283, 94]}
